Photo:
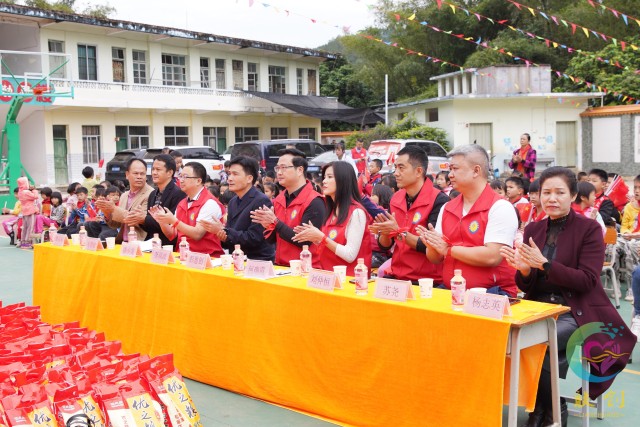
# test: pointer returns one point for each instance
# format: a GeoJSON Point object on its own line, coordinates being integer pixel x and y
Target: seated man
{"type": "Point", "coordinates": [240, 230]}
{"type": "Point", "coordinates": [199, 205]}
{"type": "Point", "coordinates": [473, 227]}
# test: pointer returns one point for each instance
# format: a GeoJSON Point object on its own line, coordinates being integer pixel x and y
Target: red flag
{"type": "Point", "coordinates": [391, 159]}
{"type": "Point", "coordinates": [618, 192]}
{"type": "Point", "coordinates": [101, 163]}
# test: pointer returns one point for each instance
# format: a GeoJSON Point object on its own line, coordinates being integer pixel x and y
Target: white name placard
{"type": "Point", "coordinates": [198, 260]}
{"type": "Point", "coordinates": [394, 290]}
{"type": "Point", "coordinates": [488, 305]}
{"type": "Point", "coordinates": [259, 269]}
{"type": "Point", "coordinates": [324, 280]}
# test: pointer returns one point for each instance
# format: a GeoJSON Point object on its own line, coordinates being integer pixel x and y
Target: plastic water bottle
{"type": "Point", "coordinates": [82, 236]}
{"type": "Point", "coordinates": [132, 236]}
{"type": "Point", "coordinates": [183, 248]}
{"type": "Point", "coordinates": [50, 234]}
{"type": "Point", "coordinates": [362, 277]}
{"type": "Point", "coordinates": [458, 288]}
{"type": "Point", "coordinates": [238, 261]}
{"type": "Point", "coordinates": [305, 260]}
{"type": "Point", "coordinates": [156, 243]}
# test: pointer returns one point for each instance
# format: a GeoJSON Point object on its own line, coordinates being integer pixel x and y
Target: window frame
{"type": "Point", "coordinates": [277, 79]}
{"type": "Point", "coordinates": [119, 60]}
{"type": "Point", "coordinates": [253, 77]}
{"type": "Point", "coordinates": [91, 134]}
{"type": "Point", "coordinates": [170, 70]}
{"type": "Point", "coordinates": [175, 138]}
{"type": "Point", "coordinates": [87, 75]}
{"type": "Point", "coordinates": [139, 66]}
{"type": "Point", "coordinates": [221, 75]}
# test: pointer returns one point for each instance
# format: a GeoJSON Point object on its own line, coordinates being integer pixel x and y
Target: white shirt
{"type": "Point", "coordinates": [354, 232]}
{"type": "Point", "coordinates": [209, 209]}
{"type": "Point", "coordinates": [501, 226]}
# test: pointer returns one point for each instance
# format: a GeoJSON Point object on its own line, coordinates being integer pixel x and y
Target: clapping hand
{"type": "Point", "coordinates": [384, 223]}
{"type": "Point", "coordinates": [430, 237]}
{"type": "Point", "coordinates": [513, 258]}
{"type": "Point", "coordinates": [135, 216]}
{"type": "Point", "coordinates": [213, 225]}
{"type": "Point", "coordinates": [162, 215]}
{"type": "Point", "coordinates": [263, 216]}
{"type": "Point", "coordinates": [307, 233]}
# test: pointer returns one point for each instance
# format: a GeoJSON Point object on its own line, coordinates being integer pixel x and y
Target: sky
{"type": "Point", "coordinates": [236, 18]}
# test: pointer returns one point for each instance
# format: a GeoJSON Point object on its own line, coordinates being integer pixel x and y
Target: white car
{"type": "Point", "coordinates": [387, 149]}
{"type": "Point", "coordinates": [206, 156]}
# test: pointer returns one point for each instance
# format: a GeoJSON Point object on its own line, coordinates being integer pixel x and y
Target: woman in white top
{"type": "Point", "coordinates": [344, 236]}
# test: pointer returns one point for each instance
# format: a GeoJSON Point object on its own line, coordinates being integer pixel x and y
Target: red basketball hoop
{"type": "Point", "coordinates": [39, 90]}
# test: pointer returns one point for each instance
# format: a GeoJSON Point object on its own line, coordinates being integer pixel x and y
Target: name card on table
{"type": "Point", "coordinates": [394, 290]}
{"type": "Point", "coordinates": [487, 305]}
{"type": "Point", "coordinates": [130, 249]}
{"type": "Point", "coordinates": [162, 256]}
{"type": "Point", "coordinates": [93, 244]}
{"type": "Point", "coordinates": [198, 261]}
{"type": "Point", "coordinates": [324, 280]}
{"type": "Point", "coordinates": [256, 269]}
{"type": "Point", "coordinates": [60, 239]}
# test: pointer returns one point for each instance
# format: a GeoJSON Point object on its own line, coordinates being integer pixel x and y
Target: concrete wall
{"type": "Point", "coordinates": [611, 143]}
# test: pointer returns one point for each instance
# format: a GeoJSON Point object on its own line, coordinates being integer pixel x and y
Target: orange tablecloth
{"type": "Point", "coordinates": [349, 359]}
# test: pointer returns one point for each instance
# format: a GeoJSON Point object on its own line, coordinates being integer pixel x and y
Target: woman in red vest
{"type": "Point", "coordinates": [342, 239]}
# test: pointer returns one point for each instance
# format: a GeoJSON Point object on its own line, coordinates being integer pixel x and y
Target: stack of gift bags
{"type": "Point", "coordinates": [64, 375]}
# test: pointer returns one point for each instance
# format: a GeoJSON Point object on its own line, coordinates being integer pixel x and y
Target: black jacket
{"type": "Point", "coordinates": [242, 231]}
{"type": "Point", "coordinates": [169, 198]}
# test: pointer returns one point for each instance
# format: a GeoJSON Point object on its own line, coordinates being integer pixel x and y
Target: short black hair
{"type": "Point", "coordinates": [612, 175]}
{"type": "Point", "coordinates": [378, 163]}
{"type": "Point", "coordinates": [581, 174]}
{"type": "Point", "coordinates": [214, 190]}
{"type": "Point", "coordinates": [100, 191]}
{"type": "Point", "coordinates": [120, 184]}
{"type": "Point", "coordinates": [534, 187]}
{"type": "Point", "coordinates": [169, 162]}
{"type": "Point", "coordinates": [87, 172]}
{"type": "Point", "coordinates": [636, 179]}
{"type": "Point", "coordinates": [56, 195]}
{"type": "Point", "coordinates": [298, 160]}
{"type": "Point", "coordinates": [227, 163]}
{"type": "Point", "coordinates": [71, 189]}
{"type": "Point", "coordinates": [132, 161]}
{"type": "Point", "coordinates": [226, 197]}
{"type": "Point", "coordinates": [82, 190]}
{"type": "Point", "coordinates": [46, 191]}
{"type": "Point", "coordinates": [112, 189]}
{"type": "Point", "coordinates": [498, 184]}
{"type": "Point", "coordinates": [248, 164]}
{"type": "Point", "coordinates": [519, 182]}
{"type": "Point", "coordinates": [176, 153]}
{"type": "Point", "coordinates": [270, 174]}
{"type": "Point", "coordinates": [390, 181]}
{"type": "Point", "coordinates": [602, 174]}
{"type": "Point", "coordinates": [417, 157]}
{"type": "Point", "coordinates": [584, 191]}
{"type": "Point", "coordinates": [198, 170]}
{"type": "Point", "coordinates": [566, 174]}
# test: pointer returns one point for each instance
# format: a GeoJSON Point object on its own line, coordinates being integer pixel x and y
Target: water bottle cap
{"type": "Point", "coordinates": [184, 238]}
{"type": "Point", "coordinates": [131, 229]}
{"type": "Point", "coordinates": [305, 247]}
{"type": "Point", "coordinates": [82, 227]}
{"type": "Point", "coordinates": [457, 272]}
{"type": "Point", "coordinates": [237, 246]}
{"type": "Point", "coordinates": [360, 260]}
{"type": "Point", "coordinates": [156, 235]}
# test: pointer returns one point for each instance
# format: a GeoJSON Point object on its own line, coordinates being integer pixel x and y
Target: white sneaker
{"type": "Point", "coordinates": [635, 327]}
{"type": "Point", "coordinates": [629, 296]}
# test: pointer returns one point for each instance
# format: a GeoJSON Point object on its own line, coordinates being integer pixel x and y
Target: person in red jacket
{"type": "Point", "coordinates": [416, 203]}
{"type": "Point", "coordinates": [298, 204]}
{"type": "Point", "coordinates": [471, 229]}
{"type": "Point", "coordinates": [359, 156]}
{"type": "Point", "coordinates": [199, 205]}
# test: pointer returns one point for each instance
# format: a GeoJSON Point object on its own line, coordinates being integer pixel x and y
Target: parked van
{"type": "Point", "coordinates": [387, 149]}
{"type": "Point", "coordinates": [267, 152]}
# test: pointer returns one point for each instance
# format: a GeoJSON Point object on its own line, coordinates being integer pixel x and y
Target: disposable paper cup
{"type": "Point", "coordinates": [111, 242]}
{"type": "Point", "coordinates": [296, 267]}
{"type": "Point", "coordinates": [341, 271]}
{"type": "Point", "coordinates": [168, 248]}
{"type": "Point", "coordinates": [75, 239]}
{"type": "Point", "coordinates": [478, 290]}
{"type": "Point", "coordinates": [227, 261]}
{"type": "Point", "coordinates": [426, 288]}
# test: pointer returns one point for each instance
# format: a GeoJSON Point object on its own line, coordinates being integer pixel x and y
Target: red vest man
{"type": "Point", "coordinates": [471, 229]}
{"type": "Point", "coordinates": [359, 156]}
{"type": "Point", "coordinates": [415, 205]}
{"type": "Point", "coordinates": [199, 206]}
{"type": "Point", "coordinates": [298, 204]}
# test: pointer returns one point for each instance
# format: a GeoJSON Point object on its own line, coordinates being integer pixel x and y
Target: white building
{"type": "Point", "coordinates": [138, 86]}
{"type": "Point", "coordinates": [493, 106]}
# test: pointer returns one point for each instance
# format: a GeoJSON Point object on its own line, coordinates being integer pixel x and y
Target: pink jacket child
{"type": "Point", "coordinates": [28, 198]}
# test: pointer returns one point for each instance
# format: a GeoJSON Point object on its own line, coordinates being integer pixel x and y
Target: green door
{"type": "Point", "coordinates": [60, 160]}
{"type": "Point", "coordinates": [121, 144]}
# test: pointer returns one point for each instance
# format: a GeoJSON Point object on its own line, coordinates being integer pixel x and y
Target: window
{"type": "Point", "coordinates": [205, 79]}
{"type": "Point", "coordinates": [279, 133]}
{"type": "Point", "coordinates": [238, 74]}
{"type": "Point", "coordinates": [277, 80]}
{"type": "Point", "coordinates": [252, 74]}
{"type": "Point", "coordinates": [117, 61]}
{"type": "Point", "coordinates": [299, 72]}
{"type": "Point", "coordinates": [87, 63]}
{"type": "Point", "coordinates": [90, 144]}
{"type": "Point", "coordinates": [247, 134]}
{"type": "Point", "coordinates": [56, 46]}
{"type": "Point", "coordinates": [174, 71]}
{"type": "Point", "coordinates": [311, 82]}
{"type": "Point", "coordinates": [307, 133]}
{"type": "Point", "coordinates": [216, 138]}
{"type": "Point", "coordinates": [176, 135]}
{"type": "Point", "coordinates": [139, 67]}
{"type": "Point", "coordinates": [137, 136]}
{"type": "Point", "coordinates": [220, 76]}
{"type": "Point", "coordinates": [431, 114]}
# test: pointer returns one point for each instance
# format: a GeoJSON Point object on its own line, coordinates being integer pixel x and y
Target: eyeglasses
{"type": "Point", "coordinates": [282, 168]}
{"type": "Point", "coordinates": [188, 177]}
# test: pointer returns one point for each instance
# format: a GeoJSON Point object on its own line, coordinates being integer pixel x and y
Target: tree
{"type": "Point", "coordinates": [101, 11]}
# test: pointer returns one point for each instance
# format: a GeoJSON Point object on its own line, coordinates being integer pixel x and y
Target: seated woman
{"type": "Point", "coordinates": [346, 225]}
{"type": "Point", "coordinates": [559, 263]}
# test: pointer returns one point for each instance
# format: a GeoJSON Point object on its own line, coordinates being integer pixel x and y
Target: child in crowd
{"type": "Point", "coordinates": [214, 190]}
{"type": "Point", "coordinates": [531, 212]}
{"type": "Point", "coordinates": [89, 177]}
{"type": "Point", "coordinates": [113, 194]}
{"type": "Point", "coordinates": [390, 181]}
{"type": "Point", "coordinates": [585, 201]}
{"type": "Point", "coordinates": [630, 213]}
{"type": "Point", "coordinates": [516, 191]}
{"type": "Point", "coordinates": [498, 187]}
{"type": "Point", "coordinates": [58, 212]}
{"type": "Point", "coordinates": [599, 179]}
{"type": "Point", "coordinates": [382, 195]}
{"type": "Point", "coordinates": [72, 198]}
{"type": "Point", "coordinates": [94, 192]}
{"type": "Point", "coordinates": [270, 190]}
{"type": "Point", "coordinates": [10, 223]}
{"type": "Point", "coordinates": [83, 210]}
{"type": "Point", "coordinates": [583, 177]}
{"type": "Point", "coordinates": [46, 201]}
{"type": "Point", "coordinates": [28, 197]}
{"type": "Point", "coordinates": [443, 181]}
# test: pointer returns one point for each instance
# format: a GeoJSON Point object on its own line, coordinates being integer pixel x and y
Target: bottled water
{"type": "Point", "coordinates": [156, 243]}
{"type": "Point", "coordinates": [82, 235]}
{"type": "Point", "coordinates": [305, 260]}
{"type": "Point", "coordinates": [362, 277]}
{"type": "Point", "coordinates": [183, 248]}
{"type": "Point", "coordinates": [458, 288]}
{"type": "Point", "coordinates": [238, 261]}
{"type": "Point", "coordinates": [132, 236]}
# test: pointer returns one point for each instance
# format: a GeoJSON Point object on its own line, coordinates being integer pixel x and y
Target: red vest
{"type": "Point", "coordinates": [338, 233]}
{"type": "Point", "coordinates": [355, 155]}
{"type": "Point", "coordinates": [599, 200]}
{"type": "Point", "coordinates": [407, 263]}
{"type": "Point", "coordinates": [292, 216]}
{"type": "Point", "coordinates": [209, 244]}
{"type": "Point", "coordinates": [469, 231]}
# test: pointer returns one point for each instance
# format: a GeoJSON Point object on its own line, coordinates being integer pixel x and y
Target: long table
{"type": "Point", "coordinates": [352, 360]}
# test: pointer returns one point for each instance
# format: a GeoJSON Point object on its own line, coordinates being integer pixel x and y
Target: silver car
{"type": "Point", "coordinates": [316, 164]}
{"type": "Point", "coordinates": [387, 149]}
